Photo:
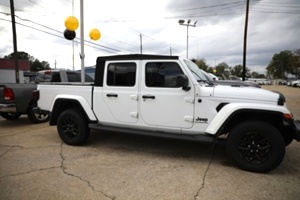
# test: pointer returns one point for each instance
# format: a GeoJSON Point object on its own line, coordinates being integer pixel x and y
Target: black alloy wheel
{"type": "Point", "coordinates": [72, 127]}
{"type": "Point", "coordinates": [255, 146]}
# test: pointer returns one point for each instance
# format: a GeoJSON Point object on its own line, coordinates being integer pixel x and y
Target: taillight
{"type": "Point", "coordinates": [8, 94]}
{"type": "Point", "coordinates": [35, 95]}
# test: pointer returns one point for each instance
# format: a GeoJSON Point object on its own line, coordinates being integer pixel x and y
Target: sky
{"type": "Point", "coordinates": [127, 26]}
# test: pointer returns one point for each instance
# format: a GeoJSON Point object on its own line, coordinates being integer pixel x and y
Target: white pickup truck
{"type": "Point", "coordinates": [169, 96]}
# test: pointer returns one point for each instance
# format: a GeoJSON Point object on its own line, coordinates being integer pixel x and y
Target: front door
{"type": "Point", "coordinates": [162, 103]}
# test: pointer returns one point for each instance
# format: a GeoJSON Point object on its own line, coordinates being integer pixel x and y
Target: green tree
{"type": "Point", "coordinates": [238, 71]}
{"type": "Point", "coordinates": [280, 65]}
{"type": "Point", "coordinates": [295, 63]}
{"type": "Point", "coordinates": [223, 70]}
{"type": "Point", "coordinates": [257, 75]}
{"type": "Point", "coordinates": [21, 55]}
{"type": "Point", "coordinates": [35, 64]}
{"type": "Point", "coordinates": [201, 64]}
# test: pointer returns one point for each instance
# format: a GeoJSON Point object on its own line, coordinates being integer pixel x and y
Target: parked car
{"type": "Point", "coordinates": [233, 82]}
{"type": "Point", "coordinates": [18, 99]}
{"type": "Point", "coordinates": [60, 76]}
{"type": "Point", "coordinates": [295, 83]}
{"type": "Point", "coordinates": [282, 82]}
{"type": "Point", "coordinates": [291, 80]}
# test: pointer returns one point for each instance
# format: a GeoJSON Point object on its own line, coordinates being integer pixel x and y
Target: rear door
{"type": "Point", "coordinates": [120, 92]}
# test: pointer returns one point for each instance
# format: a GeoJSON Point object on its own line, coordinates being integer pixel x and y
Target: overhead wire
{"type": "Point", "coordinates": [90, 44]}
{"type": "Point", "coordinates": [232, 8]}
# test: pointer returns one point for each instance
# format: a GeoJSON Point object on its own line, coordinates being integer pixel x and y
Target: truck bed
{"type": "Point", "coordinates": [64, 91]}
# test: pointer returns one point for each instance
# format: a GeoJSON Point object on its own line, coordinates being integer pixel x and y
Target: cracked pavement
{"type": "Point", "coordinates": [35, 164]}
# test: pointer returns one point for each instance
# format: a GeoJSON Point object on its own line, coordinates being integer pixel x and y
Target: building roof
{"type": "Point", "coordinates": [10, 64]}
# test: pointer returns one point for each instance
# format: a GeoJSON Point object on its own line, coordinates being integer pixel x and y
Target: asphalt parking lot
{"type": "Point", "coordinates": [35, 164]}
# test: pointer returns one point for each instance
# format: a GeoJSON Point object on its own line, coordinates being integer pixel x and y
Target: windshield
{"type": "Point", "coordinates": [198, 73]}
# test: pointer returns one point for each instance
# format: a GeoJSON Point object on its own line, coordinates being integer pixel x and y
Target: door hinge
{"type": "Point", "coordinates": [134, 97]}
{"type": "Point", "coordinates": [190, 99]}
{"type": "Point", "coordinates": [134, 114]}
{"type": "Point", "coordinates": [189, 119]}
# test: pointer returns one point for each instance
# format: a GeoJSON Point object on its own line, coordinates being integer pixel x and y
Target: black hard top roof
{"type": "Point", "coordinates": [136, 57]}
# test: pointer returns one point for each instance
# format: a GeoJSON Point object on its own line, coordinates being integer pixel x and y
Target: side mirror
{"type": "Point", "coordinates": [182, 81]}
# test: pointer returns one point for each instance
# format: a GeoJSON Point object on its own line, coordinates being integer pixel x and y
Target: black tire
{"type": "Point", "coordinates": [37, 117]}
{"type": "Point", "coordinates": [72, 127]}
{"type": "Point", "coordinates": [255, 146]}
{"type": "Point", "coordinates": [11, 116]}
{"type": "Point", "coordinates": [288, 139]}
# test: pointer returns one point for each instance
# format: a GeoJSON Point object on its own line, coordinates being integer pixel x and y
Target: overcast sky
{"type": "Point", "coordinates": [274, 26]}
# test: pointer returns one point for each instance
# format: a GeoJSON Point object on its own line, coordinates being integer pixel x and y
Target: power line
{"type": "Point", "coordinates": [213, 6]}
{"type": "Point", "coordinates": [55, 31]}
{"type": "Point", "coordinates": [100, 47]}
{"type": "Point", "coordinates": [233, 9]}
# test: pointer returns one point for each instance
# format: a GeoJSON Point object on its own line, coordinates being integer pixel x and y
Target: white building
{"type": "Point", "coordinates": [8, 73]}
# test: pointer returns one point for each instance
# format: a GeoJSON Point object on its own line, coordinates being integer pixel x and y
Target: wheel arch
{"type": "Point", "coordinates": [63, 104]}
{"type": "Point", "coordinates": [232, 114]}
{"type": "Point", "coordinates": [274, 118]}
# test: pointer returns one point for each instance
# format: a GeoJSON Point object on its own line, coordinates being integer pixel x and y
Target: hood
{"type": "Point", "coordinates": [246, 93]}
{"type": "Point", "coordinates": [236, 83]}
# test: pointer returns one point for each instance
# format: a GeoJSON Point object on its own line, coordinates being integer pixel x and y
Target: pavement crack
{"type": "Point", "coordinates": [32, 171]}
{"type": "Point", "coordinates": [10, 149]}
{"type": "Point", "coordinates": [63, 168]}
{"type": "Point", "coordinates": [206, 171]}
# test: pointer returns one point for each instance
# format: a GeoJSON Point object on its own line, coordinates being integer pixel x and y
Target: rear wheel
{"type": "Point", "coordinates": [37, 117]}
{"type": "Point", "coordinates": [255, 146]}
{"type": "Point", "coordinates": [72, 127]}
{"type": "Point", "coordinates": [10, 116]}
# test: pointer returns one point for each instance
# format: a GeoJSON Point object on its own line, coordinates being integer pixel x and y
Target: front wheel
{"type": "Point", "coordinates": [72, 127]}
{"type": "Point", "coordinates": [255, 146]}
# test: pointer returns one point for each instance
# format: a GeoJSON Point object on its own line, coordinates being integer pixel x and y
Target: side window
{"type": "Point", "coordinates": [72, 77]}
{"type": "Point", "coordinates": [47, 77]}
{"type": "Point", "coordinates": [39, 78]}
{"type": "Point", "coordinates": [121, 74]}
{"type": "Point", "coordinates": [162, 74]}
{"type": "Point", "coordinates": [86, 79]}
{"type": "Point", "coordinates": [55, 77]}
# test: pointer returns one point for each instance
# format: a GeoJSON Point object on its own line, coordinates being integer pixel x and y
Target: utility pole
{"type": "Point", "coordinates": [141, 43]}
{"type": "Point", "coordinates": [181, 22]}
{"type": "Point", "coordinates": [13, 23]}
{"type": "Point", "coordinates": [245, 40]}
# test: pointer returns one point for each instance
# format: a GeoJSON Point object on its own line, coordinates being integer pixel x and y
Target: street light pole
{"type": "Point", "coordinates": [181, 22]}
{"type": "Point", "coordinates": [82, 56]}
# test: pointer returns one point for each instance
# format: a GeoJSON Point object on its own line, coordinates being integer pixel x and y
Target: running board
{"type": "Point", "coordinates": [189, 137]}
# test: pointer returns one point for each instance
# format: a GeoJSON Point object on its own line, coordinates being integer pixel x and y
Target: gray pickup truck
{"type": "Point", "coordinates": [17, 99]}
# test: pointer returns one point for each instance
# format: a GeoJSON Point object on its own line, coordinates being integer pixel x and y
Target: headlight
{"type": "Point", "coordinates": [281, 99]}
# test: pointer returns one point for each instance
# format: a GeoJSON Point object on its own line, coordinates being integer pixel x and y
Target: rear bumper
{"type": "Point", "coordinates": [297, 130]}
{"type": "Point", "coordinates": [8, 108]}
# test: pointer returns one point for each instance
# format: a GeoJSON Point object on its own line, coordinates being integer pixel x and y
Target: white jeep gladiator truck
{"type": "Point", "coordinates": [169, 96]}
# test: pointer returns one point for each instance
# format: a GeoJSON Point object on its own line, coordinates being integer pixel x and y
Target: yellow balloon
{"type": "Point", "coordinates": [95, 34]}
{"type": "Point", "coordinates": [71, 23]}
